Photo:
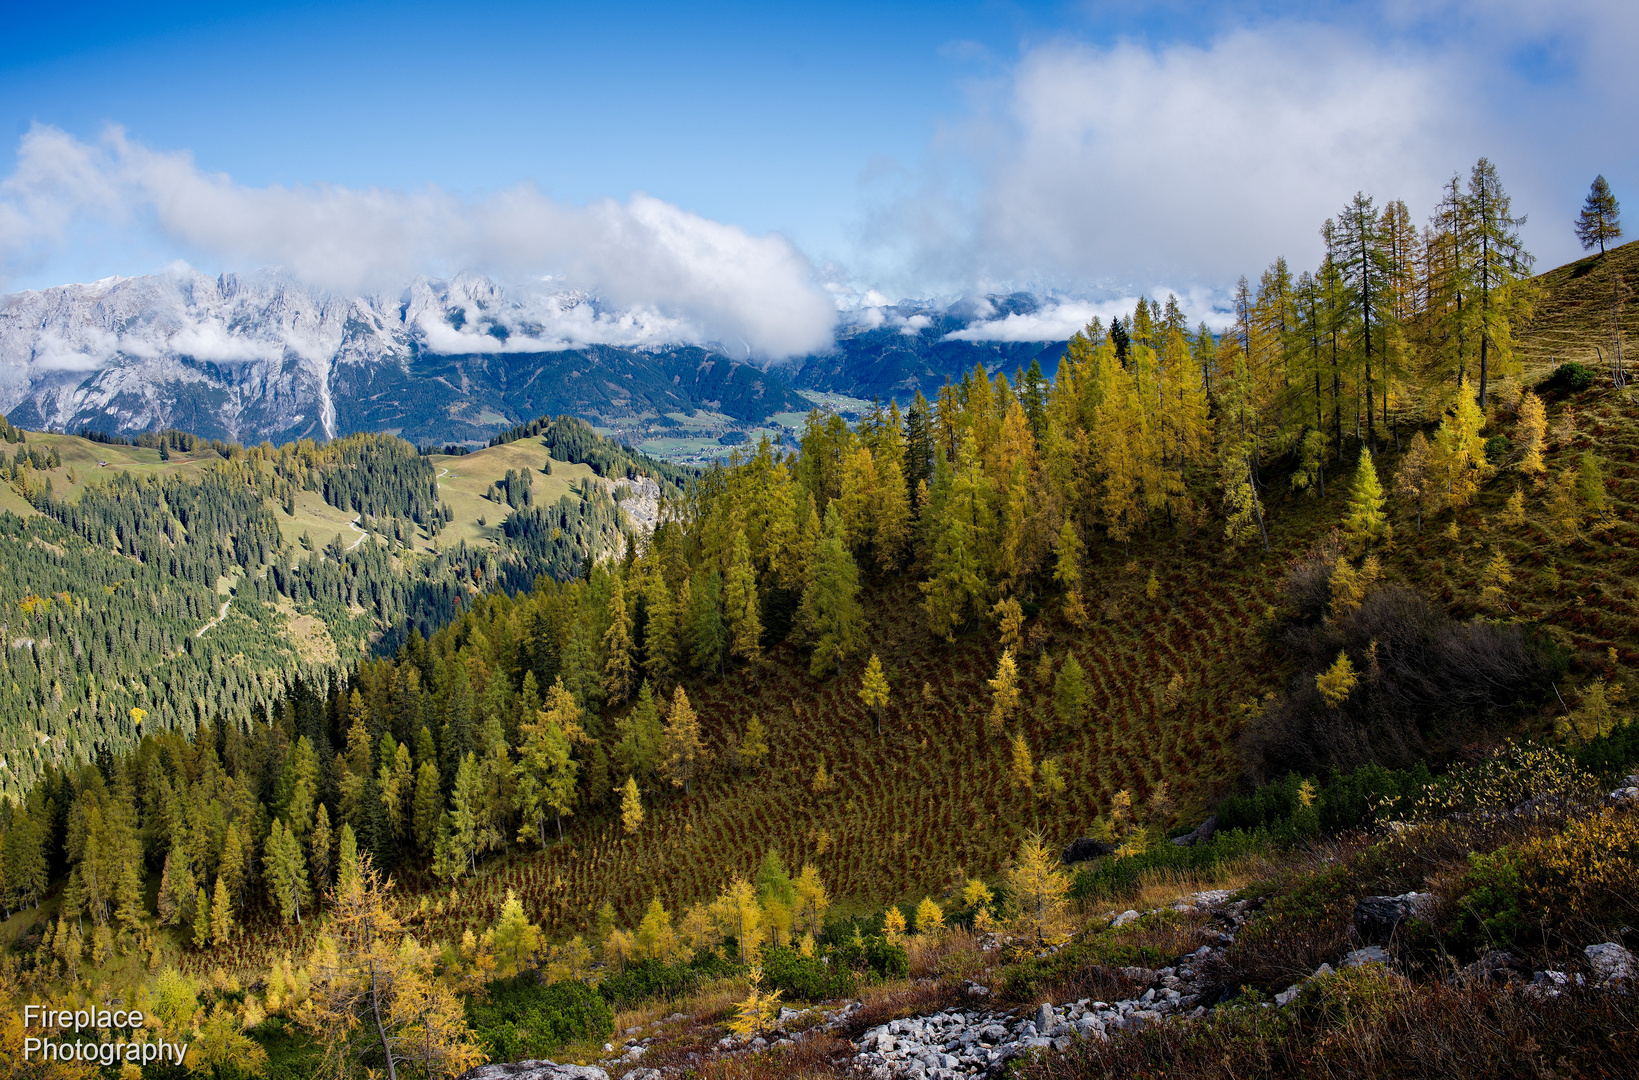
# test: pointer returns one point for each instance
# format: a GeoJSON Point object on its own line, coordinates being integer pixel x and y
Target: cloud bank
{"type": "Point", "coordinates": [702, 279]}
{"type": "Point", "coordinates": [1097, 168]}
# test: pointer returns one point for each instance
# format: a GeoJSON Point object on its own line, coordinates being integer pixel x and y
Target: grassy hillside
{"type": "Point", "coordinates": [1573, 317]}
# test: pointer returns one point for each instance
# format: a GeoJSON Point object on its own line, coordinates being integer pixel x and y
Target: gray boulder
{"type": "Point", "coordinates": [1378, 916]}
{"type": "Point", "coordinates": [535, 1070]}
{"type": "Point", "coordinates": [1611, 962]}
{"type": "Point", "coordinates": [1201, 832]}
{"type": "Point", "coordinates": [1083, 848]}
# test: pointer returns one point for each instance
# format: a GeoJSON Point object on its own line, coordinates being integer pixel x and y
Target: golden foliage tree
{"type": "Point", "coordinates": [374, 1005]}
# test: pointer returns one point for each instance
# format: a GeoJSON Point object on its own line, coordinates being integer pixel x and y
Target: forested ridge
{"type": "Point", "coordinates": [1347, 535]}
{"type": "Point", "coordinates": [115, 589]}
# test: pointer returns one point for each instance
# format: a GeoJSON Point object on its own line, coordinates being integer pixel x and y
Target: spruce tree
{"type": "Point", "coordinates": [830, 613]}
{"type": "Point", "coordinates": [619, 670]}
{"type": "Point", "coordinates": [1600, 221]}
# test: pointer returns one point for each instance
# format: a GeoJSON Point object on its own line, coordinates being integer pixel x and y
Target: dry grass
{"type": "Point", "coordinates": [1378, 1027]}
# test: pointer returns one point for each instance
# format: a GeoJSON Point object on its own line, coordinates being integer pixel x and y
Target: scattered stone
{"type": "Point", "coordinates": [1611, 962]}
{"type": "Point", "coordinates": [1289, 995]}
{"type": "Point", "coordinates": [1124, 918]}
{"type": "Point", "coordinates": [535, 1070]}
{"type": "Point", "coordinates": [1378, 916]}
{"type": "Point", "coordinates": [1371, 954]}
{"type": "Point", "coordinates": [1083, 848]}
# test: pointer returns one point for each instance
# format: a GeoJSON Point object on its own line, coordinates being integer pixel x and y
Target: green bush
{"type": "Point", "coordinates": [648, 979]}
{"type": "Point", "coordinates": [1570, 376]}
{"type": "Point", "coordinates": [1492, 904]}
{"type": "Point", "coordinates": [1497, 448]}
{"type": "Point", "coordinates": [805, 978]}
{"type": "Point", "coordinates": [522, 1018]}
{"type": "Point", "coordinates": [877, 957]}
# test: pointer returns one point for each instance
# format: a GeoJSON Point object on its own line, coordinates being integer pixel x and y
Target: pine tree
{"type": "Point", "coordinates": [1070, 691]}
{"type": "Point", "coordinates": [318, 849]}
{"type": "Point", "coordinates": [201, 919]}
{"type": "Point", "coordinates": [873, 689]}
{"type": "Point", "coordinates": [683, 752]}
{"type": "Point", "coordinates": [638, 750]}
{"type": "Point", "coordinates": [428, 807]}
{"type": "Point", "coordinates": [740, 605]}
{"type": "Point", "coordinates": [619, 671]}
{"type": "Point", "coordinates": [1600, 220]}
{"type": "Point", "coordinates": [830, 612]}
{"type": "Point", "coordinates": [1364, 523]}
{"type": "Point", "coordinates": [285, 871]}
{"type": "Point", "coordinates": [631, 806]}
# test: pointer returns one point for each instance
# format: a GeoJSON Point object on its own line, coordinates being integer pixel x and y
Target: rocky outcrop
{"type": "Point", "coordinates": [1200, 832]}
{"type": "Point", "coordinates": [535, 1070]}
{"type": "Point", "coordinates": [1083, 848]}
{"type": "Point", "coordinates": [1376, 917]}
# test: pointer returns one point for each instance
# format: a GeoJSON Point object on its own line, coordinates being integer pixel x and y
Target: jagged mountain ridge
{"type": "Point", "coordinates": [261, 356]}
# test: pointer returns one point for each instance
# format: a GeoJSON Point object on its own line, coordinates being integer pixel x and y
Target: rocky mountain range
{"type": "Point", "coordinates": [261, 356]}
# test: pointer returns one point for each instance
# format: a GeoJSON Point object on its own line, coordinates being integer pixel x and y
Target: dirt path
{"type": "Point", "coordinates": [354, 525]}
{"type": "Point", "coordinates": [220, 615]}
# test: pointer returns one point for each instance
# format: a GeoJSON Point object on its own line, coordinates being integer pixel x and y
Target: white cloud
{"type": "Point", "coordinates": [1059, 321]}
{"type": "Point", "coordinates": [715, 281]}
{"type": "Point", "coordinates": [1101, 164]}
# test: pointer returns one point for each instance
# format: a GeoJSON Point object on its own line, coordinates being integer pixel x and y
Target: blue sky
{"type": "Point", "coordinates": [1096, 148]}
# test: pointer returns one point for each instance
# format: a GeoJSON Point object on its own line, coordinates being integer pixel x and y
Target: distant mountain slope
{"type": "Point", "coordinates": [907, 348]}
{"type": "Point", "coordinates": [262, 357]}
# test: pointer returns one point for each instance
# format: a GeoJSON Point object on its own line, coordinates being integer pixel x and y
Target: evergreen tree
{"type": "Point", "coordinates": [428, 808]}
{"type": "Point", "coordinates": [1365, 524]}
{"type": "Point", "coordinates": [318, 849]}
{"type": "Point", "coordinates": [546, 771]}
{"type": "Point", "coordinates": [285, 871]}
{"type": "Point", "coordinates": [619, 671]}
{"type": "Point", "coordinates": [660, 632]}
{"type": "Point", "coordinates": [740, 605]}
{"type": "Point", "coordinates": [639, 747]}
{"type": "Point", "coordinates": [1600, 221]}
{"type": "Point", "coordinates": [830, 612]}
{"type": "Point", "coordinates": [1070, 691]}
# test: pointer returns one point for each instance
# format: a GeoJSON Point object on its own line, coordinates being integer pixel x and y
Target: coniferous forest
{"type": "Point", "coordinates": [1136, 675]}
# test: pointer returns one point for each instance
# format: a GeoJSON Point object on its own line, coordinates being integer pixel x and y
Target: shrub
{"type": "Point", "coordinates": [1429, 683]}
{"type": "Point", "coordinates": [805, 978]}
{"type": "Point", "coordinates": [1570, 376]}
{"type": "Point", "coordinates": [522, 1018]}
{"type": "Point", "coordinates": [646, 979]}
{"type": "Point", "coordinates": [877, 956]}
{"type": "Point", "coordinates": [1497, 447]}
